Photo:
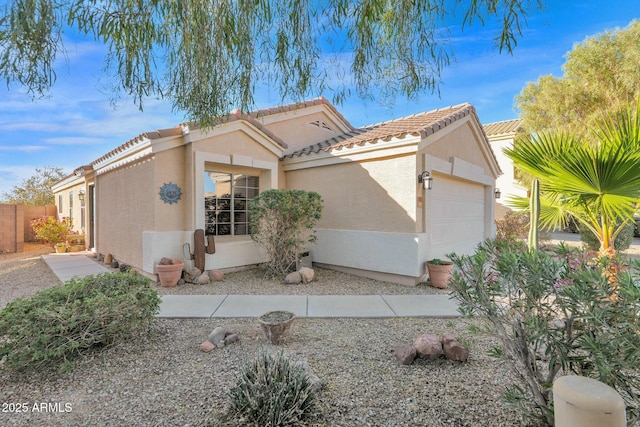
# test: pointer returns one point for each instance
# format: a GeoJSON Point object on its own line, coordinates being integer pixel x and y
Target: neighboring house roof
{"type": "Point", "coordinates": [503, 128]}
{"type": "Point", "coordinates": [423, 124]}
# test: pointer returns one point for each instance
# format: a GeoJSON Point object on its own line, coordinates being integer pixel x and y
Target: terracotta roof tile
{"type": "Point", "coordinates": [298, 106]}
{"type": "Point", "coordinates": [423, 124]}
{"type": "Point", "coordinates": [503, 128]}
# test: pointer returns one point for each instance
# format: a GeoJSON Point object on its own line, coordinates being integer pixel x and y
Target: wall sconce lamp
{"type": "Point", "coordinates": [497, 193]}
{"type": "Point", "coordinates": [426, 180]}
{"type": "Point", "coordinates": [81, 195]}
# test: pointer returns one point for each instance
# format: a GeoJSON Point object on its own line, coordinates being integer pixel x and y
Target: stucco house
{"type": "Point", "coordinates": [395, 193]}
{"type": "Point", "coordinates": [502, 135]}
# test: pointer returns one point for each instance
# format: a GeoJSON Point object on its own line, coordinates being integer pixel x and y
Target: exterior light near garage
{"type": "Point", "coordinates": [497, 193]}
{"type": "Point", "coordinates": [81, 195]}
{"type": "Point", "coordinates": [426, 180]}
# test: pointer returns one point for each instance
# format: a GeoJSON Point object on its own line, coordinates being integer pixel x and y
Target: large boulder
{"type": "Point", "coordinates": [428, 346]}
{"type": "Point", "coordinates": [453, 350]}
{"type": "Point", "coordinates": [405, 353]}
{"type": "Point", "coordinates": [307, 274]}
{"type": "Point", "coordinates": [203, 279]}
{"type": "Point", "coordinates": [191, 274]}
{"type": "Point", "coordinates": [293, 278]}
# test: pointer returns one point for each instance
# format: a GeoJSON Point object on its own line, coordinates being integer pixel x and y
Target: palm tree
{"type": "Point", "coordinates": [596, 179]}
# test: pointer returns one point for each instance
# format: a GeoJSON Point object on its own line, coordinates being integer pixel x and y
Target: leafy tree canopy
{"type": "Point", "coordinates": [36, 190]}
{"type": "Point", "coordinates": [208, 56]}
{"type": "Point", "coordinates": [601, 75]}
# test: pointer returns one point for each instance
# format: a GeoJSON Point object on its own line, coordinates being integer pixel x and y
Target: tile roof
{"type": "Point", "coordinates": [503, 128]}
{"type": "Point", "coordinates": [422, 124]}
{"type": "Point", "coordinates": [298, 106]}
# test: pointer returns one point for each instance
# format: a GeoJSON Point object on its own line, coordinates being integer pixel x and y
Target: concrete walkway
{"type": "Point", "coordinates": [69, 265]}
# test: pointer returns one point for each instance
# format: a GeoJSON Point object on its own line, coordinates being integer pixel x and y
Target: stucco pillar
{"type": "Point", "coordinates": [585, 402]}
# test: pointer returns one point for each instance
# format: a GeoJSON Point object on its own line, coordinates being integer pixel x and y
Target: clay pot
{"type": "Point", "coordinates": [276, 324]}
{"type": "Point", "coordinates": [169, 274]}
{"type": "Point", "coordinates": [440, 274]}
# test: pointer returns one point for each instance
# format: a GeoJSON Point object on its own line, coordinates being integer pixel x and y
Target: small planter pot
{"type": "Point", "coordinates": [276, 324]}
{"type": "Point", "coordinates": [440, 274]}
{"type": "Point", "coordinates": [60, 249]}
{"type": "Point", "coordinates": [169, 274]}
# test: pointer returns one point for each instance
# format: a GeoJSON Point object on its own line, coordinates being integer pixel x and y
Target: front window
{"type": "Point", "coordinates": [226, 200]}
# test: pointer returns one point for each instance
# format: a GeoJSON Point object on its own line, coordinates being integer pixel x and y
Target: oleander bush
{"type": "Point", "coordinates": [58, 324]}
{"type": "Point", "coordinates": [513, 226]}
{"type": "Point", "coordinates": [282, 222]}
{"type": "Point", "coordinates": [272, 391]}
{"type": "Point", "coordinates": [554, 314]}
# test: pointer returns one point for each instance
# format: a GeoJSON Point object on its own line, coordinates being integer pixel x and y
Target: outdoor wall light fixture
{"type": "Point", "coordinates": [426, 180]}
{"type": "Point", "coordinates": [497, 193]}
{"type": "Point", "coordinates": [81, 195]}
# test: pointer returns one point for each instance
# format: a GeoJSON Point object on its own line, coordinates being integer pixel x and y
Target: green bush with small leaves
{"type": "Point", "coordinates": [272, 391]}
{"type": "Point", "coordinates": [58, 324]}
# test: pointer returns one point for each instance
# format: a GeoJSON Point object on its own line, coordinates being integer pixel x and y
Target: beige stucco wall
{"type": "Point", "coordinates": [377, 195]}
{"type": "Point", "coordinates": [72, 206]}
{"type": "Point", "coordinates": [460, 143]}
{"type": "Point", "coordinates": [126, 201]}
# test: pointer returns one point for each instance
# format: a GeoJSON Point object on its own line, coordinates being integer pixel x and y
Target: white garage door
{"type": "Point", "coordinates": [456, 216]}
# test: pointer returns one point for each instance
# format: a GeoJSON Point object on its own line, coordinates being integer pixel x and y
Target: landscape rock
{"type": "Point", "coordinates": [207, 346]}
{"type": "Point", "coordinates": [428, 346]}
{"type": "Point", "coordinates": [405, 353]}
{"type": "Point", "coordinates": [203, 279]}
{"type": "Point", "coordinates": [163, 261]}
{"type": "Point", "coordinates": [114, 264]}
{"type": "Point", "coordinates": [307, 274]}
{"type": "Point", "coordinates": [230, 338]}
{"type": "Point", "coordinates": [218, 335]}
{"type": "Point", "coordinates": [293, 278]}
{"type": "Point", "coordinates": [216, 275]}
{"type": "Point", "coordinates": [100, 257]}
{"type": "Point", "coordinates": [191, 274]}
{"type": "Point", "coordinates": [108, 258]}
{"type": "Point", "coordinates": [453, 350]}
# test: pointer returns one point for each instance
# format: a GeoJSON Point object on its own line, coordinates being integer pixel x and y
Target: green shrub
{"type": "Point", "coordinates": [621, 243]}
{"type": "Point", "coordinates": [554, 315]}
{"type": "Point", "coordinates": [282, 221]}
{"type": "Point", "coordinates": [272, 391]}
{"type": "Point", "coordinates": [58, 324]}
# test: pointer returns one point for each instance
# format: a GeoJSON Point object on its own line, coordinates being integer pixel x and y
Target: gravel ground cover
{"type": "Point", "coordinates": [165, 380]}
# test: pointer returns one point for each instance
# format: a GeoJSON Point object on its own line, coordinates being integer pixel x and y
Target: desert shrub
{"type": "Point", "coordinates": [283, 221]}
{"type": "Point", "coordinates": [513, 226]}
{"type": "Point", "coordinates": [621, 243]}
{"type": "Point", "coordinates": [56, 325]}
{"type": "Point", "coordinates": [554, 314]}
{"type": "Point", "coordinates": [272, 391]}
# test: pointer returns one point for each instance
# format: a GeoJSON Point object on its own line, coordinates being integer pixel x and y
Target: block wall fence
{"type": "Point", "coordinates": [15, 225]}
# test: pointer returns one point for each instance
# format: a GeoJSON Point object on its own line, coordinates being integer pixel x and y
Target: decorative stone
{"type": "Point", "coordinates": [100, 257]}
{"type": "Point", "coordinates": [216, 275]}
{"type": "Point", "coordinates": [191, 274]}
{"type": "Point", "coordinates": [293, 278]}
{"type": "Point", "coordinates": [114, 264]}
{"type": "Point", "coordinates": [428, 346]}
{"type": "Point", "coordinates": [124, 268]}
{"type": "Point", "coordinates": [163, 261]}
{"type": "Point", "coordinates": [307, 274]}
{"type": "Point", "coordinates": [207, 346]}
{"type": "Point", "coordinates": [203, 279]}
{"type": "Point", "coordinates": [181, 282]}
{"type": "Point", "coordinates": [453, 350]}
{"type": "Point", "coordinates": [231, 338]}
{"type": "Point", "coordinates": [218, 335]}
{"type": "Point", "coordinates": [405, 353]}
{"type": "Point", "coordinates": [108, 259]}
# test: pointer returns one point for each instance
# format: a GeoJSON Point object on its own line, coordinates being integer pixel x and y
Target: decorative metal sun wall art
{"type": "Point", "coordinates": [170, 193]}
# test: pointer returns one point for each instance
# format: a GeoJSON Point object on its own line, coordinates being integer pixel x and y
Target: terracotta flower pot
{"type": "Point", "coordinates": [169, 274]}
{"type": "Point", "coordinates": [276, 324]}
{"type": "Point", "coordinates": [440, 274]}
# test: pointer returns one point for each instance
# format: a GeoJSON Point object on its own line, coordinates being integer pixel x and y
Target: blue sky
{"type": "Point", "coordinates": [78, 123]}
